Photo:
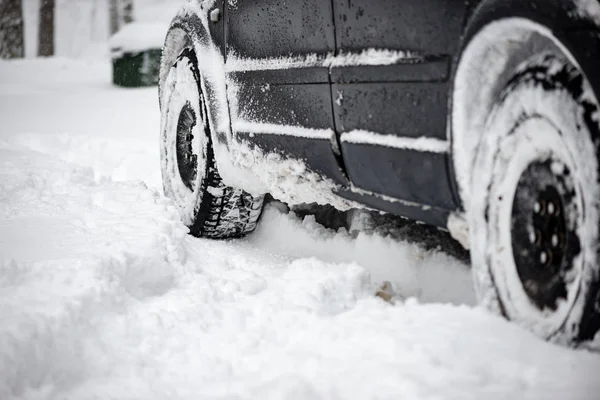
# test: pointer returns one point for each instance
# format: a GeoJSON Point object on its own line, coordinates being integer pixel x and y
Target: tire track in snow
{"type": "Point", "coordinates": [72, 249]}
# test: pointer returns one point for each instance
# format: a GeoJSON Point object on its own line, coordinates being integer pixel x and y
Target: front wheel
{"type": "Point", "coordinates": [207, 206]}
{"type": "Point", "coordinates": [535, 209]}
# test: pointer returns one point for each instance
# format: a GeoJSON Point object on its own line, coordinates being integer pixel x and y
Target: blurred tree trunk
{"type": "Point", "coordinates": [120, 13]}
{"type": "Point", "coordinates": [113, 13]}
{"type": "Point", "coordinates": [11, 29]}
{"type": "Point", "coordinates": [46, 31]}
{"type": "Point", "coordinates": [127, 11]}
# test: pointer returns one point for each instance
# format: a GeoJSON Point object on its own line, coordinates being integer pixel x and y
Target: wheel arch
{"type": "Point", "coordinates": [500, 35]}
{"type": "Point", "coordinates": [185, 30]}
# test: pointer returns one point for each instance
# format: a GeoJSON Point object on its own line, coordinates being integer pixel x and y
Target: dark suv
{"type": "Point", "coordinates": [479, 117]}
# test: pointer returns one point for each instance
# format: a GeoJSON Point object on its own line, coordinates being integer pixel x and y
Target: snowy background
{"type": "Point", "coordinates": [81, 26]}
{"type": "Point", "coordinates": [103, 295]}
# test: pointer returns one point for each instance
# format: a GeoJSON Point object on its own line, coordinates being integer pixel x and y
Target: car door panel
{"type": "Point", "coordinates": [417, 179]}
{"type": "Point", "coordinates": [290, 108]}
{"type": "Point", "coordinates": [316, 153]}
{"type": "Point", "coordinates": [424, 26]}
{"type": "Point", "coordinates": [279, 102]}
{"type": "Point", "coordinates": [403, 99]}
{"type": "Point", "coordinates": [405, 109]}
{"type": "Point", "coordinates": [288, 105]}
{"type": "Point", "coordinates": [275, 28]}
{"type": "Point", "coordinates": [419, 110]}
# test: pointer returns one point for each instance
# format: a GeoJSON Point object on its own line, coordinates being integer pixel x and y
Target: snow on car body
{"type": "Point", "coordinates": [478, 116]}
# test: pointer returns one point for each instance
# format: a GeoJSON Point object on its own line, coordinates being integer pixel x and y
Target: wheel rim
{"type": "Point", "coordinates": [525, 170]}
{"type": "Point", "coordinates": [543, 242]}
{"type": "Point", "coordinates": [187, 161]}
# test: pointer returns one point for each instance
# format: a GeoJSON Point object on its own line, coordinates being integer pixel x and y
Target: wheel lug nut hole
{"type": "Point", "coordinates": [557, 240]}
{"type": "Point", "coordinates": [551, 208]}
{"type": "Point", "coordinates": [540, 207]}
{"type": "Point", "coordinates": [545, 258]}
{"type": "Point", "coordinates": [535, 237]}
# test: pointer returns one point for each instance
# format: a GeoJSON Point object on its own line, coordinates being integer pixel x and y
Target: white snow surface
{"type": "Point", "coordinates": [274, 129]}
{"type": "Point", "coordinates": [425, 144]}
{"type": "Point", "coordinates": [104, 295]}
{"type": "Point", "coordinates": [589, 9]}
{"type": "Point", "coordinates": [365, 57]}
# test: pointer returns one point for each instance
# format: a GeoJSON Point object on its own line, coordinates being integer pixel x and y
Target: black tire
{"type": "Point", "coordinates": [208, 207]}
{"type": "Point", "coordinates": [534, 215]}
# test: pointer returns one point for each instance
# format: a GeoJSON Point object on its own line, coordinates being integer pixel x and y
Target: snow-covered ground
{"type": "Point", "coordinates": [104, 296]}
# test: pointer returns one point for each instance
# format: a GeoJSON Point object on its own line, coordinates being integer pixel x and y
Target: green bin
{"type": "Point", "coordinates": [136, 69]}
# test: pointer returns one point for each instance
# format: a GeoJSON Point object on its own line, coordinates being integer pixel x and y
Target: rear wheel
{"type": "Point", "coordinates": [190, 175]}
{"type": "Point", "coordinates": [535, 208]}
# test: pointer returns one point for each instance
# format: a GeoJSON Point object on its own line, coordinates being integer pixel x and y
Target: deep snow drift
{"type": "Point", "coordinates": [103, 295]}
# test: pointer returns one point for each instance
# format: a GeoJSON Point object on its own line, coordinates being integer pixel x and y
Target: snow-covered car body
{"type": "Point", "coordinates": [357, 91]}
{"type": "Point", "coordinates": [360, 92]}
{"type": "Point", "coordinates": [472, 115]}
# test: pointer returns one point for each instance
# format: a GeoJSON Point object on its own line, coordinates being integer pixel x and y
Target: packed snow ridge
{"type": "Point", "coordinates": [365, 57]}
